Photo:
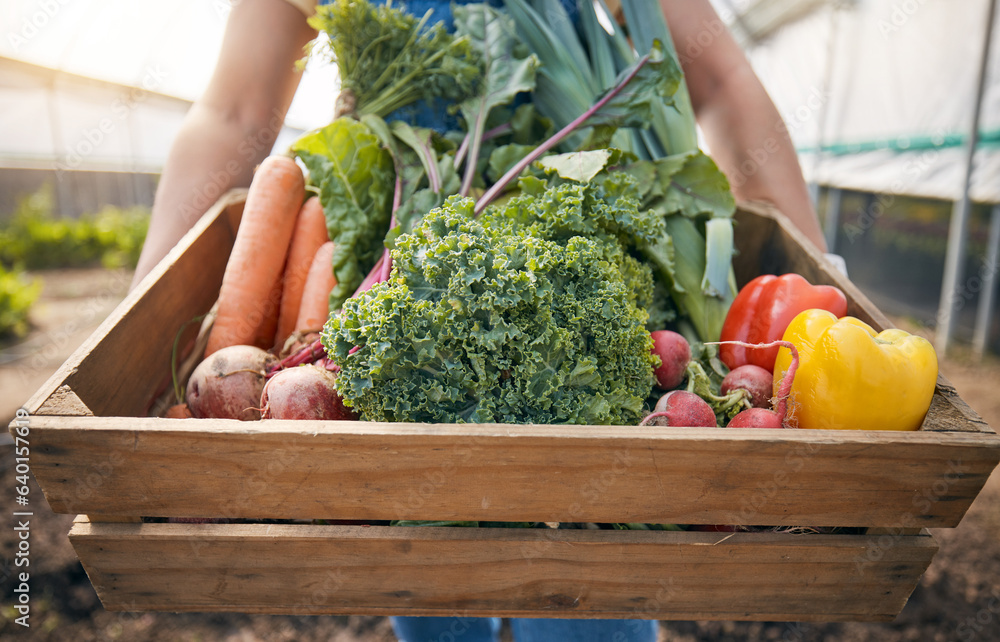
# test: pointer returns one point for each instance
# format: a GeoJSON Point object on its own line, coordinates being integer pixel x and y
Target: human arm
{"type": "Point", "coordinates": [231, 128]}
{"type": "Point", "coordinates": [744, 131]}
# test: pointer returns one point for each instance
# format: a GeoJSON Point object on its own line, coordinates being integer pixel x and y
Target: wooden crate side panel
{"type": "Point", "coordinates": [311, 570]}
{"type": "Point", "coordinates": [769, 244]}
{"type": "Point", "coordinates": [126, 362]}
{"type": "Point", "coordinates": [64, 402]}
{"type": "Point", "coordinates": [373, 471]}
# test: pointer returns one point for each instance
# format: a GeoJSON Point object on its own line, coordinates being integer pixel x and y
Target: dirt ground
{"type": "Point", "coordinates": [957, 599]}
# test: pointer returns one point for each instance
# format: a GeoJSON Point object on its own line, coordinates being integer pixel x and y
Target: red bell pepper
{"type": "Point", "coordinates": [764, 308]}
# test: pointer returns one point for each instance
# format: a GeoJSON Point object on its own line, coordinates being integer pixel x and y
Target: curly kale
{"type": "Point", "coordinates": [531, 314]}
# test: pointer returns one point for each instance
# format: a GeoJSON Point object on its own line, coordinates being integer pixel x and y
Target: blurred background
{"type": "Point", "coordinates": [893, 105]}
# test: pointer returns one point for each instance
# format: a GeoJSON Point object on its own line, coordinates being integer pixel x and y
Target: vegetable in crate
{"type": "Point", "coordinates": [674, 353]}
{"type": "Point", "coordinates": [303, 392]}
{"type": "Point", "coordinates": [250, 297]}
{"type": "Point", "coordinates": [388, 59]}
{"type": "Point", "coordinates": [760, 416]}
{"type": "Point", "coordinates": [693, 264]}
{"type": "Point", "coordinates": [228, 383]}
{"type": "Point", "coordinates": [851, 377]}
{"type": "Point", "coordinates": [763, 309]}
{"type": "Point", "coordinates": [681, 408]}
{"type": "Point", "coordinates": [534, 313]}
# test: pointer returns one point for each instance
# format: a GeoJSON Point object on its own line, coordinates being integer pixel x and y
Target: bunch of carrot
{"type": "Point", "coordinates": [279, 275]}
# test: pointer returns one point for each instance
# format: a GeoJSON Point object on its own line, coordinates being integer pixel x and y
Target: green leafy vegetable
{"type": "Point", "coordinates": [388, 59]}
{"type": "Point", "coordinates": [533, 313]}
{"type": "Point", "coordinates": [355, 180]}
{"type": "Point", "coordinates": [509, 69]}
{"type": "Point", "coordinates": [580, 166]}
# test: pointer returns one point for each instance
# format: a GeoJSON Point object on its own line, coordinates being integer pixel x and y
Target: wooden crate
{"type": "Point", "coordinates": [96, 454]}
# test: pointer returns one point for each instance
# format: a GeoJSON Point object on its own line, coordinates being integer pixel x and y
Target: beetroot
{"type": "Point", "coordinates": [227, 385]}
{"type": "Point", "coordinates": [674, 352]}
{"type": "Point", "coordinates": [681, 408]}
{"type": "Point", "coordinates": [754, 379]}
{"type": "Point", "coordinates": [304, 392]}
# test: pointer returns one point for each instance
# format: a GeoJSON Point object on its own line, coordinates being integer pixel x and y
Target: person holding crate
{"type": "Point", "coordinates": [228, 132]}
{"type": "Point", "coordinates": [229, 129]}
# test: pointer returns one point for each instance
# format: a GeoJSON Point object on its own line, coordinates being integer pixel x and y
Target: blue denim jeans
{"type": "Point", "coordinates": [481, 629]}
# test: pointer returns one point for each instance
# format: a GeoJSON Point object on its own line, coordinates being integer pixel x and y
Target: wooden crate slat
{"type": "Point", "coordinates": [373, 471]}
{"type": "Point", "coordinates": [341, 569]}
{"type": "Point", "coordinates": [64, 402]}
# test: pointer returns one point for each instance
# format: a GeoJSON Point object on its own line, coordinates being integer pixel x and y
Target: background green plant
{"type": "Point", "coordinates": [34, 238]}
{"type": "Point", "coordinates": [17, 293]}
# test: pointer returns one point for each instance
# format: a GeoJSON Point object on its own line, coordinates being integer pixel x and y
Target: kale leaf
{"type": "Point", "coordinates": [533, 313]}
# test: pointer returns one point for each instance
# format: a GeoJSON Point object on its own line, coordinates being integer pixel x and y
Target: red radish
{"type": "Point", "coordinates": [304, 392]}
{"type": "Point", "coordinates": [674, 352]}
{"type": "Point", "coordinates": [681, 408]}
{"type": "Point", "coordinates": [228, 384]}
{"type": "Point", "coordinates": [756, 418]}
{"type": "Point", "coordinates": [762, 417]}
{"type": "Point", "coordinates": [754, 379]}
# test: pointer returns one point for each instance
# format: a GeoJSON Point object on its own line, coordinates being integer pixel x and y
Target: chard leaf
{"type": "Point", "coordinates": [420, 140]}
{"type": "Point", "coordinates": [654, 85]}
{"type": "Point", "coordinates": [600, 137]}
{"type": "Point", "coordinates": [412, 210]}
{"type": "Point", "coordinates": [503, 158]}
{"type": "Point", "coordinates": [424, 200]}
{"type": "Point", "coordinates": [699, 187]}
{"type": "Point", "coordinates": [527, 126]}
{"type": "Point", "coordinates": [355, 178]}
{"type": "Point", "coordinates": [405, 161]}
{"type": "Point", "coordinates": [509, 70]}
{"type": "Point", "coordinates": [580, 166]}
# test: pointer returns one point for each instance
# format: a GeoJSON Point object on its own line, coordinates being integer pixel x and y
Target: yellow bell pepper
{"type": "Point", "coordinates": [851, 377]}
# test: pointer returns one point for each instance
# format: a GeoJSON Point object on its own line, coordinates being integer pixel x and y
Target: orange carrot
{"type": "Point", "coordinates": [315, 306]}
{"type": "Point", "coordinates": [310, 233]}
{"type": "Point", "coordinates": [250, 293]}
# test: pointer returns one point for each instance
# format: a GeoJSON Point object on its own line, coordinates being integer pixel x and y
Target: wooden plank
{"type": "Point", "coordinates": [359, 470]}
{"type": "Point", "coordinates": [302, 569]}
{"type": "Point", "coordinates": [778, 247]}
{"type": "Point", "coordinates": [118, 370]}
{"type": "Point", "coordinates": [949, 413]}
{"type": "Point", "coordinates": [64, 402]}
{"type": "Point", "coordinates": [112, 519]}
